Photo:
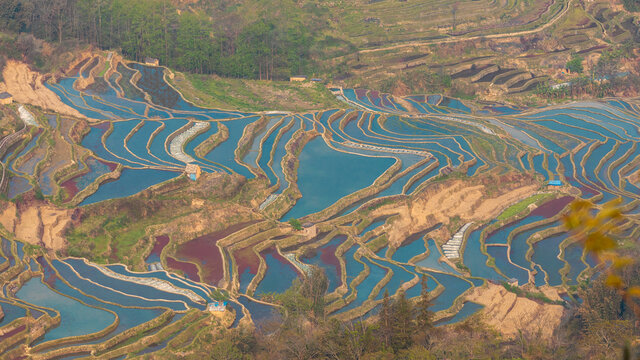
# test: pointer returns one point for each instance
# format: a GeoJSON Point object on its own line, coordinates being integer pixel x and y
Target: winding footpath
{"type": "Point", "coordinates": [477, 37]}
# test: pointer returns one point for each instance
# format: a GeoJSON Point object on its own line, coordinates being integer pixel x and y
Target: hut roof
{"type": "Point", "coordinates": [191, 168]}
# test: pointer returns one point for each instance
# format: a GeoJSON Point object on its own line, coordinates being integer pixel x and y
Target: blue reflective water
{"type": "Point", "coordinates": [322, 176]}
{"type": "Point", "coordinates": [476, 261]}
{"type": "Point", "coordinates": [326, 259]}
{"type": "Point", "coordinates": [573, 256]}
{"type": "Point", "coordinates": [407, 251]}
{"type": "Point", "coordinates": [519, 246]}
{"type": "Point", "coordinates": [267, 148]}
{"type": "Point", "coordinates": [469, 308]}
{"type": "Point", "coordinates": [545, 253]}
{"type": "Point", "coordinates": [499, 253]}
{"type": "Point", "coordinates": [500, 235]}
{"type": "Point", "coordinates": [453, 287]}
{"type": "Point", "coordinates": [104, 292]}
{"type": "Point", "coordinates": [432, 261]}
{"type": "Point", "coordinates": [11, 312]}
{"type": "Point", "coordinates": [162, 275]}
{"type": "Point", "coordinates": [130, 182]}
{"type": "Point", "coordinates": [260, 313]}
{"type": "Point", "coordinates": [279, 275]}
{"type": "Point", "coordinates": [364, 289]}
{"type": "Point", "coordinates": [373, 225]}
{"type": "Point", "coordinates": [74, 315]}
{"type": "Point", "coordinates": [400, 276]}
{"type": "Point", "coordinates": [224, 153]}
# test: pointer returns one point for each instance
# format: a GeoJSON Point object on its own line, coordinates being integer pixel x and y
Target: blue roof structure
{"type": "Point", "coordinates": [555, 183]}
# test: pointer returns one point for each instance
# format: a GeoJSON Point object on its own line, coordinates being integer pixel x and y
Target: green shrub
{"type": "Point", "coordinates": [295, 223]}
{"type": "Point", "coordinates": [575, 64]}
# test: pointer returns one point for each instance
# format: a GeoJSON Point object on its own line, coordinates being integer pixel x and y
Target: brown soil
{"type": "Point", "coordinates": [471, 200]}
{"type": "Point", "coordinates": [37, 224]}
{"type": "Point", "coordinates": [511, 314]}
{"type": "Point", "coordinates": [27, 87]}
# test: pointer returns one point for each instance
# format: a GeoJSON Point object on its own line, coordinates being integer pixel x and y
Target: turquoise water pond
{"type": "Point", "coordinates": [499, 253]}
{"type": "Point", "coordinates": [476, 261]}
{"type": "Point", "coordinates": [130, 182]}
{"type": "Point", "coordinates": [469, 308]}
{"type": "Point", "coordinates": [73, 314]}
{"type": "Point", "coordinates": [364, 289]}
{"type": "Point", "coordinates": [279, 275]}
{"type": "Point", "coordinates": [545, 254]}
{"type": "Point", "coordinates": [322, 180]}
{"type": "Point", "coordinates": [432, 261]}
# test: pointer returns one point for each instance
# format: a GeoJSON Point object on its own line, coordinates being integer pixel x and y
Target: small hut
{"type": "Point", "coordinates": [555, 183]}
{"type": "Point", "coordinates": [6, 98]}
{"type": "Point", "coordinates": [217, 306]}
{"type": "Point", "coordinates": [193, 171]}
{"type": "Point", "coordinates": [298, 78]}
{"type": "Point", "coordinates": [151, 61]}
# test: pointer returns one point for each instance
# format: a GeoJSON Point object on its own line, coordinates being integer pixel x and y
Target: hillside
{"type": "Point", "coordinates": [314, 179]}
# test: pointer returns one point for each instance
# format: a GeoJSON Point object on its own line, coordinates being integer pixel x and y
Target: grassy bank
{"type": "Point", "coordinates": [254, 95]}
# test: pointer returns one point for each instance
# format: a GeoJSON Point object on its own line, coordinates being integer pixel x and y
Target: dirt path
{"type": "Point", "coordinates": [478, 37]}
{"type": "Point", "coordinates": [467, 200]}
{"type": "Point", "coordinates": [37, 224]}
{"type": "Point", "coordinates": [511, 314]}
{"type": "Point", "coordinates": [26, 87]}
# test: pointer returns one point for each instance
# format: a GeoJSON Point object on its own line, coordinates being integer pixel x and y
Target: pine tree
{"type": "Point", "coordinates": [402, 323]}
{"type": "Point", "coordinates": [424, 316]}
{"type": "Point", "coordinates": [384, 321]}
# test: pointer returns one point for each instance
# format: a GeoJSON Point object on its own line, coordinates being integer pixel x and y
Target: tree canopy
{"type": "Point", "coordinates": [191, 41]}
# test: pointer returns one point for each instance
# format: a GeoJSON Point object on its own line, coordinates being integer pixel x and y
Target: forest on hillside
{"type": "Point", "coordinates": [205, 42]}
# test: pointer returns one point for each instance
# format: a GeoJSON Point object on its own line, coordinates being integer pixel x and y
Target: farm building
{"type": "Point", "coordinates": [6, 98]}
{"type": "Point", "coordinates": [298, 78]}
{"type": "Point", "coordinates": [193, 171]}
{"type": "Point", "coordinates": [217, 306]}
{"type": "Point", "coordinates": [316, 80]}
{"type": "Point", "coordinates": [151, 61]}
{"type": "Point", "coordinates": [555, 183]}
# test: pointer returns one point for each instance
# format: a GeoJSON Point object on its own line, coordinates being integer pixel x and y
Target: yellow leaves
{"type": "Point", "coordinates": [614, 281]}
{"type": "Point", "coordinates": [610, 210]}
{"type": "Point", "coordinates": [597, 242]}
{"type": "Point", "coordinates": [620, 262]}
{"type": "Point", "coordinates": [579, 205]}
{"type": "Point", "coordinates": [593, 226]}
{"type": "Point", "coordinates": [634, 291]}
{"type": "Point", "coordinates": [593, 229]}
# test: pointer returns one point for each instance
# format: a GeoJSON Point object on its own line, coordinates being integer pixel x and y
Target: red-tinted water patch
{"type": "Point", "coordinates": [546, 210]}
{"type": "Point", "coordinates": [385, 101]}
{"type": "Point", "coordinates": [71, 186]}
{"type": "Point", "coordinates": [15, 331]}
{"type": "Point", "coordinates": [281, 259]}
{"type": "Point", "coordinates": [49, 277]}
{"type": "Point", "coordinates": [328, 254]}
{"type": "Point", "coordinates": [189, 269]}
{"type": "Point", "coordinates": [361, 93]}
{"type": "Point", "coordinates": [76, 69]}
{"type": "Point", "coordinates": [552, 208]}
{"type": "Point", "coordinates": [246, 259]}
{"type": "Point", "coordinates": [374, 96]}
{"type": "Point", "coordinates": [204, 251]}
{"type": "Point", "coordinates": [103, 125]}
{"type": "Point", "coordinates": [161, 242]}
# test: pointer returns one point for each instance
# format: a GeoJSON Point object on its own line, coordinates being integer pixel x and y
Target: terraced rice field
{"type": "Point", "coordinates": [379, 149]}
